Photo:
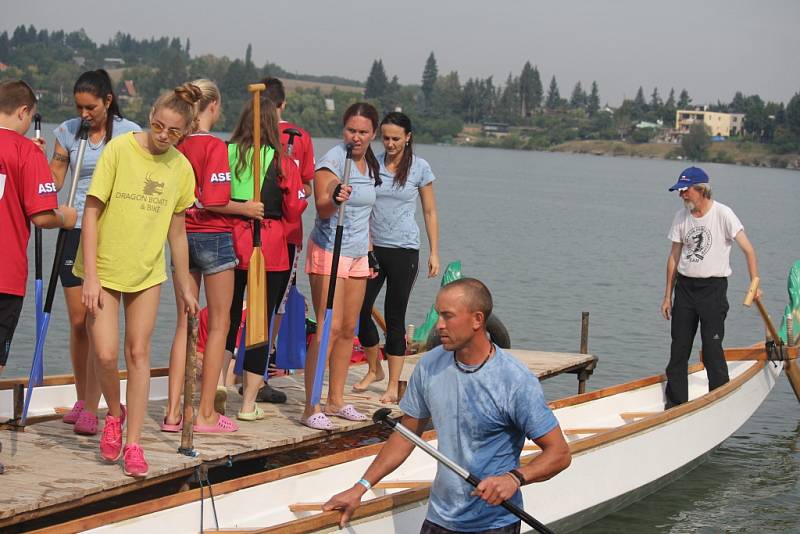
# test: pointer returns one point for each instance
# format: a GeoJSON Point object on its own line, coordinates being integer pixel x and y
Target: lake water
{"type": "Point", "coordinates": [553, 235]}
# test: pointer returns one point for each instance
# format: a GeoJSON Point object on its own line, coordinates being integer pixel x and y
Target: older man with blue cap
{"type": "Point", "coordinates": [698, 266]}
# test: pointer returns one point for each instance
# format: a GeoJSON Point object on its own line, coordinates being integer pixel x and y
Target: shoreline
{"type": "Point", "coordinates": [728, 152]}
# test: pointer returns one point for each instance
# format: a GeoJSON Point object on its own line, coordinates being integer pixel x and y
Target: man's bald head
{"type": "Point", "coordinates": [475, 294]}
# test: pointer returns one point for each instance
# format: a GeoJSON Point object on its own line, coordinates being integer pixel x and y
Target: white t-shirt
{"type": "Point", "coordinates": [707, 241]}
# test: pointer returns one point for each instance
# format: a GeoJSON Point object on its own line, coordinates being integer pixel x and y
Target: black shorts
{"type": "Point", "coordinates": [10, 309]}
{"type": "Point", "coordinates": [71, 242]}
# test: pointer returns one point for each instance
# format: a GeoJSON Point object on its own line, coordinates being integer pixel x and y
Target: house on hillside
{"type": "Point", "coordinates": [719, 124]}
{"type": "Point", "coordinates": [496, 129]}
{"type": "Point", "coordinates": [113, 62]}
{"type": "Point", "coordinates": [3, 67]}
{"type": "Point", "coordinates": [128, 89]}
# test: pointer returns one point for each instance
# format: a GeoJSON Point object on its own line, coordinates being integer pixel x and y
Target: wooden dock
{"type": "Point", "coordinates": [49, 469]}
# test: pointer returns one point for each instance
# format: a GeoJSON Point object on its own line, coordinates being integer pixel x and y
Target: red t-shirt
{"type": "Point", "coordinates": [303, 156]}
{"type": "Point", "coordinates": [26, 188]}
{"type": "Point", "coordinates": [212, 173]}
{"type": "Point", "coordinates": [273, 234]}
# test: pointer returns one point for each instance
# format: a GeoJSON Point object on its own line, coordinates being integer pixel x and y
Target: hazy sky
{"type": "Point", "coordinates": [712, 48]}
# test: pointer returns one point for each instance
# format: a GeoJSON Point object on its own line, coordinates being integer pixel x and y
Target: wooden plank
{"type": "Point", "coordinates": [637, 415]}
{"type": "Point", "coordinates": [63, 380]}
{"type": "Point", "coordinates": [581, 431]}
{"type": "Point", "coordinates": [306, 506]}
{"type": "Point", "coordinates": [394, 484]}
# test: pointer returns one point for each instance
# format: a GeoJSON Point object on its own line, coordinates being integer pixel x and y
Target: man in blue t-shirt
{"type": "Point", "coordinates": [483, 404]}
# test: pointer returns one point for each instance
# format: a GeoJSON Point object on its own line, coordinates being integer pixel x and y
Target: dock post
{"type": "Point", "coordinates": [583, 374]}
{"type": "Point", "coordinates": [189, 372]}
{"type": "Point", "coordinates": [19, 401]}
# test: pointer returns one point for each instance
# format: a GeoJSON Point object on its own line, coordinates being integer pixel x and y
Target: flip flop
{"type": "Point", "coordinates": [348, 412]}
{"type": "Point", "coordinates": [318, 421]}
{"type": "Point", "coordinates": [177, 427]}
{"type": "Point", "coordinates": [256, 414]}
{"type": "Point", "coordinates": [223, 425]}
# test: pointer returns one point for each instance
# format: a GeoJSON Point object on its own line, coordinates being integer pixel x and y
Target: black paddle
{"type": "Point", "coordinates": [382, 416]}
{"type": "Point", "coordinates": [319, 372]}
{"type": "Point", "coordinates": [37, 366]}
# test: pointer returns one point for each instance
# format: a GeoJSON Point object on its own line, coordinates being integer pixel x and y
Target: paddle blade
{"type": "Point", "coordinates": [36, 375]}
{"type": "Point", "coordinates": [292, 333]}
{"type": "Point", "coordinates": [238, 368]}
{"type": "Point", "coordinates": [38, 304]}
{"type": "Point", "coordinates": [322, 357]}
{"type": "Point", "coordinates": [256, 301]}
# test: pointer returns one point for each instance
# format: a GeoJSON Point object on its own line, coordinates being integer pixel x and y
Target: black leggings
{"type": "Point", "coordinates": [255, 360]}
{"type": "Point", "coordinates": [398, 267]}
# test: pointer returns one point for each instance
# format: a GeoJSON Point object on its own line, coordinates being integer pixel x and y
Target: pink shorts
{"type": "Point", "coordinates": [319, 261]}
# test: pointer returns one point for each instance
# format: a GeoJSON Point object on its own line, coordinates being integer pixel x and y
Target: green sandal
{"type": "Point", "coordinates": [258, 413]}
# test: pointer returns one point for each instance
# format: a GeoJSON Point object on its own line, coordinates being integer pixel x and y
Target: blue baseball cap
{"type": "Point", "coordinates": [689, 177]}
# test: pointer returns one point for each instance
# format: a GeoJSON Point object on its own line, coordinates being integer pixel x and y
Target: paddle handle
{"type": "Point", "coordinates": [83, 134]}
{"type": "Point", "coordinates": [256, 89]}
{"type": "Point", "coordinates": [751, 291]}
{"type": "Point", "coordinates": [751, 297]}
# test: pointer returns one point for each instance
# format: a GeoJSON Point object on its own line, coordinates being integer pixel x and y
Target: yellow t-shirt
{"type": "Point", "coordinates": [141, 192]}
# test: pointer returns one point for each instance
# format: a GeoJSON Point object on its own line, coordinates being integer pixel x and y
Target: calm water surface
{"type": "Point", "coordinates": [556, 234]}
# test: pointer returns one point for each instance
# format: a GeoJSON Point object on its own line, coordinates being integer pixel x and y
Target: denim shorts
{"type": "Point", "coordinates": [211, 253]}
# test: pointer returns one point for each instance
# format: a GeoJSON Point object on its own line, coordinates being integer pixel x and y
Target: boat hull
{"type": "Point", "coordinates": [611, 468]}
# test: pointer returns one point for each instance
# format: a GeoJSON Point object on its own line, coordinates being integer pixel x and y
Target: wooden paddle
{"type": "Point", "coordinates": [257, 331]}
{"type": "Point", "coordinates": [790, 365]}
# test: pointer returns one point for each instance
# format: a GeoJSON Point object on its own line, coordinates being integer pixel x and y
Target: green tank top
{"type": "Point", "coordinates": [242, 183]}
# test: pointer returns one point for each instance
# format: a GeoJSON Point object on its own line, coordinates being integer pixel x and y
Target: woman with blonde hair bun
{"type": "Point", "coordinates": [209, 226]}
{"type": "Point", "coordinates": [136, 202]}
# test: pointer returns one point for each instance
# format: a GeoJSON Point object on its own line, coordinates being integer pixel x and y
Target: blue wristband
{"type": "Point", "coordinates": [364, 482]}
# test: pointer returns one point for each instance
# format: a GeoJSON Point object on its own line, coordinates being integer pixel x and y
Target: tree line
{"type": "Point", "coordinates": [440, 105]}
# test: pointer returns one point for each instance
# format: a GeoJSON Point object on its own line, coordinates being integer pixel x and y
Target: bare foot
{"type": "Point", "coordinates": [368, 379]}
{"type": "Point", "coordinates": [390, 397]}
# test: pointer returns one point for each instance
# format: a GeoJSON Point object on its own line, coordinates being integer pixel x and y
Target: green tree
{"type": "Point", "coordinates": [530, 90]}
{"type": "Point", "coordinates": [668, 111]}
{"type": "Point", "coordinates": [377, 83]}
{"type": "Point", "coordinates": [737, 105]}
{"type": "Point", "coordinates": [447, 95]}
{"type": "Point", "coordinates": [792, 115]}
{"type": "Point", "coordinates": [756, 118]}
{"type": "Point", "coordinates": [593, 101]}
{"type": "Point", "coordinates": [578, 98]}
{"type": "Point", "coordinates": [553, 96]}
{"type": "Point", "coordinates": [639, 104]}
{"type": "Point", "coordinates": [684, 100]}
{"type": "Point", "coordinates": [696, 143]}
{"type": "Point", "coordinates": [429, 76]}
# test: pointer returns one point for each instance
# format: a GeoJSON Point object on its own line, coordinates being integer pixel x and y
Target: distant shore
{"type": "Point", "coordinates": [731, 152]}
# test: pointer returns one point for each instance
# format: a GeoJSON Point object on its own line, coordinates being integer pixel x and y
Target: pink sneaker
{"type": "Point", "coordinates": [134, 463]}
{"type": "Point", "coordinates": [86, 424]}
{"type": "Point", "coordinates": [111, 440]}
{"type": "Point", "coordinates": [71, 417]}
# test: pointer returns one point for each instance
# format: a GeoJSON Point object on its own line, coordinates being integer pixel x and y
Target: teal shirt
{"type": "Point", "coordinates": [357, 209]}
{"type": "Point", "coordinates": [393, 223]}
{"type": "Point", "coordinates": [482, 420]}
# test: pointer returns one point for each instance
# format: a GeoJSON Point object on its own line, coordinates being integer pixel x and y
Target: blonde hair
{"type": "Point", "coordinates": [182, 100]}
{"type": "Point", "coordinates": [210, 93]}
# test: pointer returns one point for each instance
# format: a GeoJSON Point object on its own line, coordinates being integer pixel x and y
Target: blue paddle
{"type": "Point", "coordinates": [37, 367]}
{"type": "Point", "coordinates": [319, 373]}
{"type": "Point", "coordinates": [37, 130]}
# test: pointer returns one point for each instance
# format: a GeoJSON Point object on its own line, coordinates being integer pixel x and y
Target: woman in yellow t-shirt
{"type": "Point", "coordinates": [140, 189]}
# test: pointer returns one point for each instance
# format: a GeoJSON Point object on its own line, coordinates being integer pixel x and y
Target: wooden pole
{"type": "Point", "coordinates": [585, 373]}
{"type": "Point", "coordinates": [189, 373]}
{"type": "Point", "coordinates": [584, 333]}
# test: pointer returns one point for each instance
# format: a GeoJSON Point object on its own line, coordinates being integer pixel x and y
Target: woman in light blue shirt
{"type": "Point", "coordinates": [360, 123]}
{"type": "Point", "coordinates": [395, 247]}
{"type": "Point", "coordinates": [96, 103]}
